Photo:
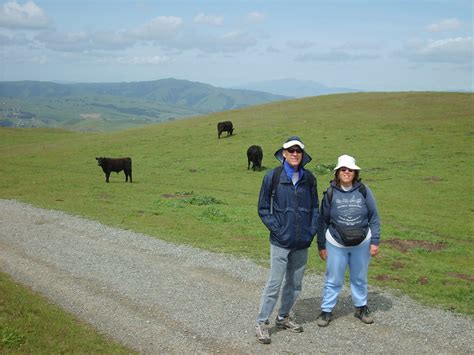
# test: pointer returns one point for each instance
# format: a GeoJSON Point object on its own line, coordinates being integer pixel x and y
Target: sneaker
{"type": "Point", "coordinates": [288, 323]}
{"type": "Point", "coordinates": [363, 314]}
{"type": "Point", "coordinates": [262, 333]}
{"type": "Point", "coordinates": [324, 319]}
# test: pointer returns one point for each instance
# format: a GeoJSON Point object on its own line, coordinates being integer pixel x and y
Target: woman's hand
{"type": "Point", "coordinates": [323, 254]}
{"type": "Point", "coordinates": [374, 250]}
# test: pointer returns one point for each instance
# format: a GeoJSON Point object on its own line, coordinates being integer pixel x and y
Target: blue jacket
{"type": "Point", "coordinates": [295, 217]}
{"type": "Point", "coordinates": [348, 209]}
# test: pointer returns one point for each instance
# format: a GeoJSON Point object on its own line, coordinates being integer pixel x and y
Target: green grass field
{"type": "Point", "coordinates": [29, 324]}
{"type": "Point", "coordinates": [415, 151]}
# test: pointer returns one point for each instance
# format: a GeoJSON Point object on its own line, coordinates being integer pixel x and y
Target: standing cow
{"type": "Point", "coordinates": [116, 164]}
{"type": "Point", "coordinates": [225, 126]}
{"type": "Point", "coordinates": [255, 155]}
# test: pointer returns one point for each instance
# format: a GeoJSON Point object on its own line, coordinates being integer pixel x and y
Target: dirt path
{"type": "Point", "coordinates": [156, 297]}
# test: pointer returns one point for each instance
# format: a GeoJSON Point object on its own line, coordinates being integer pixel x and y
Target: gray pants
{"type": "Point", "coordinates": [289, 265]}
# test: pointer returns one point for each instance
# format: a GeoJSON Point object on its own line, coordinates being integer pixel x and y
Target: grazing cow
{"type": "Point", "coordinates": [116, 164]}
{"type": "Point", "coordinates": [225, 126]}
{"type": "Point", "coordinates": [255, 155]}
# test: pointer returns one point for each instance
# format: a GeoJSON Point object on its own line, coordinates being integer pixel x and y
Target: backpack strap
{"type": "Point", "coordinates": [363, 190]}
{"type": "Point", "coordinates": [329, 192]}
{"type": "Point", "coordinates": [311, 179]}
{"type": "Point", "coordinates": [275, 180]}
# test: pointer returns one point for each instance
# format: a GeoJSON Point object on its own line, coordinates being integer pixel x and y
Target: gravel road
{"type": "Point", "coordinates": [156, 297]}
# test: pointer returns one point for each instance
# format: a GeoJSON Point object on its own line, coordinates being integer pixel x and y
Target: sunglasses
{"type": "Point", "coordinates": [293, 150]}
{"type": "Point", "coordinates": [346, 169]}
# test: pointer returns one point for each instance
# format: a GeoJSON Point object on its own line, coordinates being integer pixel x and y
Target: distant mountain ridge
{"type": "Point", "coordinates": [169, 91]}
{"type": "Point", "coordinates": [46, 104]}
{"type": "Point", "coordinates": [295, 88]}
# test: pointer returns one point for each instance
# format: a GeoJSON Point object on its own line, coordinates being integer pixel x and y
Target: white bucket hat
{"type": "Point", "coordinates": [346, 161]}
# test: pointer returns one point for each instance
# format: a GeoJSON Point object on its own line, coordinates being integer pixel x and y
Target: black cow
{"type": "Point", "coordinates": [255, 155]}
{"type": "Point", "coordinates": [225, 126]}
{"type": "Point", "coordinates": [116, 164]}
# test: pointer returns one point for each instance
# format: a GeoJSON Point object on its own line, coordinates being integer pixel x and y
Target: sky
{"type": "Point", "coordinates": [370, 45]}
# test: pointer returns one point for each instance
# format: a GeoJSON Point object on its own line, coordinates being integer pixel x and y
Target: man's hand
{"type": "Point", "coordinates": [323, 254]}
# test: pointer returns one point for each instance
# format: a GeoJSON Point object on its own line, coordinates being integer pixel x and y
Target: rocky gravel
{"type": "Point", "coordinates": [156, 297]}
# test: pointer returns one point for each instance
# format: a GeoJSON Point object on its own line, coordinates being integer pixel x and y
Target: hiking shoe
{"type": "Point", "coordinates": [363, 314]}
{"type": "Point", "coordinates": [324, 319]}
{"type": "Point", "coordinates": [288, 323]}
{"type": "Point", "coordinates": [262, 333]}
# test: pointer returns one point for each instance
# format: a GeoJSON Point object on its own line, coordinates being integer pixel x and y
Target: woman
{"type": "Point", "coordinates": [349, 235]}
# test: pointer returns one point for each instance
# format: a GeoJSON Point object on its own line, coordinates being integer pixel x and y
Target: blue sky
{"type": "Point", "coordinates": [372, 45]}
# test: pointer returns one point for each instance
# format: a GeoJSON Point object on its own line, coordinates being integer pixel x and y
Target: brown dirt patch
{"type": "Point", "coordinates": [385, 277]}
{"type": "Point", "coordinates": [423, 280]}
{"type": "Point", "coordinates": [461, 276]}
{"type": "Point", "coordinates": [397, 265]}
{"type": "Point", "coordinates": [406, 245]}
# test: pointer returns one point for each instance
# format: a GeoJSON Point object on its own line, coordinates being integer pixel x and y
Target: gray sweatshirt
{"type": "Point", "coordinates": [348, 209]}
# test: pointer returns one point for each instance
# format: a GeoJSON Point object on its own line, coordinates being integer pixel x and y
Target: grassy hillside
{"type": "Point", "coordinates": [415, 150]}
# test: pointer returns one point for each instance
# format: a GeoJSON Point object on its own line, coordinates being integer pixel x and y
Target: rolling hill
{"type": "Point", "coordinates": [415, 151]}
{"type": "Point", "coordinates": [99, 106]}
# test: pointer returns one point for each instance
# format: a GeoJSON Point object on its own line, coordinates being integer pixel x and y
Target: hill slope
{"type": "Point", "coordinates": [192, 188]}
{"type": "Point", "coordinates": [116, 105]}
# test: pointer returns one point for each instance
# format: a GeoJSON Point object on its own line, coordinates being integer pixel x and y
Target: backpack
{"type": "Point", "coordinates": [276, 179]}
{"type": "Point", "coordinates": [330, 191]}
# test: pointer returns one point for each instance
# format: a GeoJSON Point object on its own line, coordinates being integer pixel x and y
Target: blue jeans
{"type": "Point", "coordinates": [358, 259]}
{"type": "Point", "coordinates": [289, 265]}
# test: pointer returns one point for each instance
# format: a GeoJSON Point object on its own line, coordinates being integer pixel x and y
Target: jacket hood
{"type": "Point", "coordinates": [294, 140]}
{"type": "Point", "coordinates": [306, 157]}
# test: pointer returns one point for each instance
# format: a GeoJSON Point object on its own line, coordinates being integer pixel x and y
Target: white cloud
{"type": "Point", "coordinates": [360, 46]}
{"type": "Point", "coordinates": [39, 59]}
{"type": "Point", "coordinates": [334, 56]}
{"type": "Point", "coordinates": [234, 41]}
{"type": "Point", "coordinates": [450, 50]}
{"type": "Point", "coordinates": [65, 42]}
{"type": "Point", "coordinates": [160, 28]}
{"type": "Point", "coordinates": [111, 40]}
{"type": "Point", "coordinates": [144, 60]}
{"type": "Point", "coordinates": [209, 19]}
{"type": "Point", "coordinates": [255, 17]}
{"type": "Point", "coordinates": [21, 57]}
{"type": "Point", "coordinates": [27, 16]}
{"type": "Point", "coordinates": [16, 39]}
{"type": "Point", "coordinates": [272, 50]}
{"type": "Point", "coordinates": [83, 41]}
{"type": "Point", "coordinates": [298, 44]}
{"type": "Point", "coordinates": [445, 25]}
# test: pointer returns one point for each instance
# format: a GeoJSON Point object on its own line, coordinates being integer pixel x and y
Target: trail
{"type": "Point", "coordinates": [156, 297]}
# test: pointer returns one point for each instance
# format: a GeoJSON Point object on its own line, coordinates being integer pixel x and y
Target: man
{"type": "Point", "coordinates": [288, 206]}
